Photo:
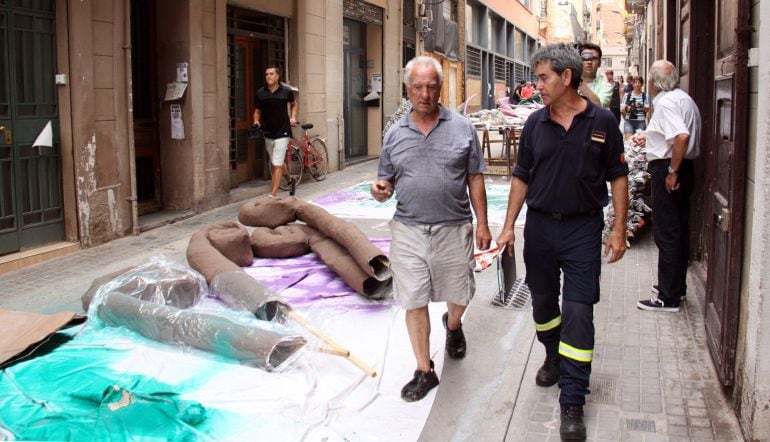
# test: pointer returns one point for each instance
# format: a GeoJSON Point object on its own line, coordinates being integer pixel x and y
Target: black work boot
{"type": "Point", "coordinates": [549, 373]}
{"type": "Point", "coordinates": [572, 426]}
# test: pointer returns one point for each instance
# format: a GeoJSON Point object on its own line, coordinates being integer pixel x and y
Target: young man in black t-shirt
{"type": "Point", "coordinates": [271, 115]}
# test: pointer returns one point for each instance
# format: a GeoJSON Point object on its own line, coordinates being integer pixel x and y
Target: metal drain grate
{"type": "Point", "coordinates": [516, 299]}
{"type": "Point", "coordinates": [640, 425]}
{"type": "Point", "coordinates": [603, 390]}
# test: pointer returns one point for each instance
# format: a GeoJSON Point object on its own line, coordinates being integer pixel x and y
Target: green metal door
{"type": "Point", "coordinates": [31, 211]}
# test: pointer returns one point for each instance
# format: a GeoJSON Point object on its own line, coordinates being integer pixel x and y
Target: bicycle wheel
{"type": "Point", "coordinates": [317, 162]}
{"type": "Point", "coordinates": [293, 165]}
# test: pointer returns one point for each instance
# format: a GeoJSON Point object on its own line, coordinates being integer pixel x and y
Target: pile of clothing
{"type": "Point", "coordinates": [638, 193]}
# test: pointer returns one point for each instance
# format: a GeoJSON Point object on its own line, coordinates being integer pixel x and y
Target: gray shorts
{"type": "Point", "coordinates": [432, 263]}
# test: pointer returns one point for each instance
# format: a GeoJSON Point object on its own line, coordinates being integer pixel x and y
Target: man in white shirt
{"type": "Point", "coordinates": [672, 140]}
{"type": "Point", "coordinates": [594, 87]}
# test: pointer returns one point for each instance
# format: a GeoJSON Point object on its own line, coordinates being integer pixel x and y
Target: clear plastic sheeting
{"type": "Point", "coordinates": [159, 281]}
{"type": "Point", "coordinates": [156, 300]}
{"type": "Point", "coordinates": [242, 292]}
{"type": "Point", "coordinates": [256, 343]}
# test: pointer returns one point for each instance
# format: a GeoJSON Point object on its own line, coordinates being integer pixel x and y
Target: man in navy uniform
{"type": "Point", "coordinates": [568, 151]}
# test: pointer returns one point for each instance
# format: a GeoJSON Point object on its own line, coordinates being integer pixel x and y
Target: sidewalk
{"type": "Point", "coordinates": [653, 378]}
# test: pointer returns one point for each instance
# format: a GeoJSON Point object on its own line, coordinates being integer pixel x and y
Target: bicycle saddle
{"type": "Point", "coordinates": [307, 126]}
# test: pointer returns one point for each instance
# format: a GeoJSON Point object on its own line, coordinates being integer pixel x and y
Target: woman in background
{"type": "Point", "coordinates": [634, 109]}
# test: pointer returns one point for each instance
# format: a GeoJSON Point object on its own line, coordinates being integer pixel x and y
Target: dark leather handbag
{"type": "Point", "coordinates": [256, 132]}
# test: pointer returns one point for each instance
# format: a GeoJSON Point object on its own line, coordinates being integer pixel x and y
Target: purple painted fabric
{"type": "Point", "coordinates": [306, 279]}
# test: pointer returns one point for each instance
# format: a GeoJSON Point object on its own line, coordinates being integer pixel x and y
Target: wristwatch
{"type": "Point", "coordinates": [671, 170]}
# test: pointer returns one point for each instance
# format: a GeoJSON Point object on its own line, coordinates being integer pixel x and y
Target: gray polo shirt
{"type": "Point", "coordinates": [430, 172]}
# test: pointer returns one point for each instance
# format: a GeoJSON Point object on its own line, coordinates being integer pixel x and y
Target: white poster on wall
{"type": "Point", "coordinates": [182, 73]}
{"type": "Point", "coordinates": [177, 125]}
{"type": "Point", "coordinates": [377, 82]}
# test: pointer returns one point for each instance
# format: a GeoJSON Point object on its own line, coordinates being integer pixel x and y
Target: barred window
{"type": "Point", "coordinates": [473, 60]}
{"type": "Point", "coordinates": [499, 68]}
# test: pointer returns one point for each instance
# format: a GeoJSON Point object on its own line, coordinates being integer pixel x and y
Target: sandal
{"type": "Point", "coordinates": [455, 340]}
{"type": "Point", "coordinates": [420, 385]}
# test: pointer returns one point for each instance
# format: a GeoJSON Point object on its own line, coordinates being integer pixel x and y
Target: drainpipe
{"type": "Point", "coordinates": [130, 120]}
{"type": "Point", "coordinates": [341, 141]}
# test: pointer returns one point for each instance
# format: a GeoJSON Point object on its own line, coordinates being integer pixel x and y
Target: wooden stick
{"type": "Point", "coordinates": [331, 343]}
{"type": "Point", "coordinates": [331, 351]}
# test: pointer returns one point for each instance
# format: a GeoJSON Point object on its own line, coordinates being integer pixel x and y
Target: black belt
{"type": "Point", "coordinates": [566, 216]}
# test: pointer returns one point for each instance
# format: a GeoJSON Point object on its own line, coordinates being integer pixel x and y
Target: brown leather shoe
{"type": "Point", "coordinates": [420, 385]}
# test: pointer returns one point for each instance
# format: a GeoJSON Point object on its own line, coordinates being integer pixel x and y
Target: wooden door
{"type": "Point", "coordinates": [354, 69]}
{"type": "Point", "coordinates": [144, 81]}
{"type": "Point", "coordinates": [727, 182]}
{"type": "Point", "coordinates": [249, 64]}
{"type": "Point", "coordinates": [254, 41]}
{"type": "Point", "coordinates": [31, 210]}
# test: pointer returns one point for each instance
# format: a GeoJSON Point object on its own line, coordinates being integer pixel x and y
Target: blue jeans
{"type": "Point", "coordinates": [631, 126]}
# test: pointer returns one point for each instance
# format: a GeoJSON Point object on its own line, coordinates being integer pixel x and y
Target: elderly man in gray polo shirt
{"type": "Point", "coordinates": [433, 161]}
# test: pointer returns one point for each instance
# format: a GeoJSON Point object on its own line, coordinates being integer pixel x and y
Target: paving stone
{"type": "Point", "coordinates": [700, 422]}
{"type": "Point", "coordinates": [676, 420]}
{"type": "Point", "coordinates": [541, 417]}
{"type": "Point", "coordinates": [675, 410]}
{"type": "Point", "coordinates": [651, 407]}
{"type": "Point", "coordinates": [678, 430]}
{"type": "Point", "coordinates": [630, 406]}
{"type": "Point", "coordinates": [702, 434]}
{"type": "Point", "coordinates": [536, 437]}
{"type": "Point", "coordinates": [608, 435]}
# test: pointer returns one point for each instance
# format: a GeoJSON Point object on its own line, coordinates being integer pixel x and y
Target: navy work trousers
{"type": "Point", "coordinates": [671, 227]}
{"type": "Point", "coordinates": [571, 247]}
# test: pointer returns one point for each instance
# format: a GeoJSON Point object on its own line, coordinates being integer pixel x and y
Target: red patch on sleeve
{"type": "Point", "coordinates": [622, 158]}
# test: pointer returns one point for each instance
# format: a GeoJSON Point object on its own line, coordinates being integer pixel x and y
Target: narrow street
{"type": "Point", "coordinates": [652, 375]}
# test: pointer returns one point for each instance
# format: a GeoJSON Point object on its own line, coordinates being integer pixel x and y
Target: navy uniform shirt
{"type": "Point", "coordinates": [566, 170]}
{"type": "Point", "coordinates": [274, 115]}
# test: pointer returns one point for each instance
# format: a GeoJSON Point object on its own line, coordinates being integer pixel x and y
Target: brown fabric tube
{"type": "Point", "coordinates": [242, 292]}
{"type": "Point", "coordinates": [342, 263]}
{"type": "Point", "coordinates": [367, 255]}
{"type": "Point", "coordinates": [232, 241]}
{"type": "Point", "coordinates": [269, 212]}
{"type": "Point", "coordinates": [266, 348]}
{"type": "Point", "coordinates": [282, 242]}
{"type": "Point", "coordinates": [274, 212]}
{"type": "Point", "coordinates": [206, 259]}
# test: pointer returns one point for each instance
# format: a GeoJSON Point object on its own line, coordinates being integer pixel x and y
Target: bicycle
{"type": "Point", "coordinates": [309, 154]}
